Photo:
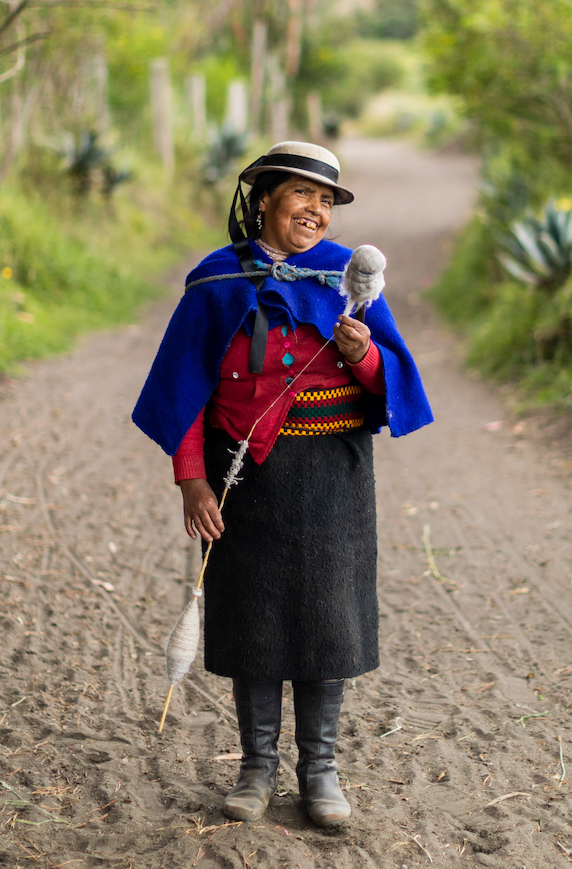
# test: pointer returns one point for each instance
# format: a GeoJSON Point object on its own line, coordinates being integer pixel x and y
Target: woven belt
{"type": "Point", "coordinates": [325, 411]}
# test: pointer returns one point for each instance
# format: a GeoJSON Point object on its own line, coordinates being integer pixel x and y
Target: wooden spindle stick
{"type": "Point", "coordinates": [166, 708]}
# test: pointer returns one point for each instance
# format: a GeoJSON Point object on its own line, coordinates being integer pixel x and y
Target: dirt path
{"type": "Point", "coordinates": [455, 752]}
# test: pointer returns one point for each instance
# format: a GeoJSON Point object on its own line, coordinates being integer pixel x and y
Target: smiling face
{"type": "Point", "coordinates": [296, 215]}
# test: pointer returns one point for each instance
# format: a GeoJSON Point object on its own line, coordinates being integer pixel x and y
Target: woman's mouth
{"type": "Point", "coordinates": [309, 224]}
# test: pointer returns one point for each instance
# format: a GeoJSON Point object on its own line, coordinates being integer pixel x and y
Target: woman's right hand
{"type": "Point", "coordinates": [200, 508]}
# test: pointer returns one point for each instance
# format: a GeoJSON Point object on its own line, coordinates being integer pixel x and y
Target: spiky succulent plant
{"type": "Point", "coordinates": [539, 249]}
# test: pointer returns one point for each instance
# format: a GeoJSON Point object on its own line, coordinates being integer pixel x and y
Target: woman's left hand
{"type": "Point", "coordinates": [352, 338]}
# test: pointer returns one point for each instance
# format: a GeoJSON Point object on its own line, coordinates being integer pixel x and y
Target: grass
{"type": "Point", "coordinates": [515, 334]}
{"type": "Point", "coordinates": [69, 268]}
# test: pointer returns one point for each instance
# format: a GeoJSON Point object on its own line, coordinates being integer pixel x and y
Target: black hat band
{"type": "Point", "coordinates": [295, 161]}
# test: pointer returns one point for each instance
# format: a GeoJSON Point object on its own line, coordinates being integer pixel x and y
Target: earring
{"type": "Point", "coordinates": [259, 221]}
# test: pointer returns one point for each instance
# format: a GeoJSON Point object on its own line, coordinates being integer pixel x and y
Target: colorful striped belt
{"type": "Point", "coordinates": [326, 411]}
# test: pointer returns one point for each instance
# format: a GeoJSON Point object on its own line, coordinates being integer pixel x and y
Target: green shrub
{"type": "Point", "coordinates": [64, 272]}
{"type": "Point", "coordinates": [467, 286]}
{"type": "Point", "coordinates": [388, 19]}
{"type": "Point", "coordinates": [501, 343]}
{"type": "Point", "coordinates": [514, 332]}
{"type": "Point", "coordinates": [347, 75]}
{"type": "Point", "coordinates": [433, 120]}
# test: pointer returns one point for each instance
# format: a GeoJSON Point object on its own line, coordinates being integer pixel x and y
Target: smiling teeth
{"type": "Point", "coordinates": [307, 223]}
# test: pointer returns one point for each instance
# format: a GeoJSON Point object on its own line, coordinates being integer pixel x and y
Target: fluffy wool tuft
{"type": "Point", "coordinates": [363, 281]}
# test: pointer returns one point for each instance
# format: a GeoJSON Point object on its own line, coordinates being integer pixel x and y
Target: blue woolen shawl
{"type": "Point", "coordinates": [186, 369]}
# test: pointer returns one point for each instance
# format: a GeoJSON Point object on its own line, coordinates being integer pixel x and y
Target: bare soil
{"type": "Point", "coordinates": [455, 752]}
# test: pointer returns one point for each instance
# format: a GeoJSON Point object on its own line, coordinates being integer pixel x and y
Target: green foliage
{"type": "Point", "coordinates": [504, 200]}
{"type": "Point", "coordinates": [433, 120]}
{"type": "Point", "coordinates": [514, 331]}
{"type": "Point", "coordinates": [64, 272]}
{"type": "Point", "coordinates": [54, 286]}
{"type": "Point", "coordinates": [85, 159]}
{"type": "Point", "coordinates": [112, 178]}
{"type": "Point", "coordinates": [502, 342]}
{"type": "Point", "coordinates": [347, 75]}
{"type": "Point", "coordinates": [388, 19]}
{"type": "Point", "coordinates": [88, 163]}
{"type": "Point", "coordinates": [224, 147]}
{"type": "Point", "coordinates": [540, 248]}
{"type": "Point", "coordinates": [509, 60]}
{"type": "Point", "coordinates": [526, 338]}
{"type": "Point", "coordinates": [72, 264]}
{"type": "Point", "coordinates": [467, 286]}
{"type": "Point", "coordinates": [219, 72]}
{"type": "Point", "coordinates": [134, 41]}
{"type": "Point", "coordinates": [509, 63]}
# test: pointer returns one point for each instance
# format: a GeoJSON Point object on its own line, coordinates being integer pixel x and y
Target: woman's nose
{"type": "Point", "coordinates": [315, 204]}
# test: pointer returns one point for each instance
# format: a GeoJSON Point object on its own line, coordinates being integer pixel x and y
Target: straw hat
{"type": "Point", "coordinates": [301, 158]}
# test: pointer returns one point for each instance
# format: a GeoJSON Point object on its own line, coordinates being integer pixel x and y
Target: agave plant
{"type": "Point", "coordinates": [112, 178]}
{"type": "Point", "coordinates": [84, 159]}
{"type": "Point", "coordinates": [539, 249]}
{"type": "Point", "coordinates": [224, 146]}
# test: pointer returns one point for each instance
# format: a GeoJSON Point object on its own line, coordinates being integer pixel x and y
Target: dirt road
{"type": "Point", "coordinates": [455, 752]}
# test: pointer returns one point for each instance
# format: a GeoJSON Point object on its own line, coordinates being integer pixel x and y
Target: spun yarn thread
{"type": "Point", "coordinates": [183, 642]}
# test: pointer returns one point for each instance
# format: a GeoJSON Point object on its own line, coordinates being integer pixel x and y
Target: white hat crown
{"type": "Point", "coordinates": [301, 158]}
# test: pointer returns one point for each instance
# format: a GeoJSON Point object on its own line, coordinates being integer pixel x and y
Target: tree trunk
{"type": "Point", "coordinates": [293, 37]}
{"type": "Point", "coordinates": [16, 126]}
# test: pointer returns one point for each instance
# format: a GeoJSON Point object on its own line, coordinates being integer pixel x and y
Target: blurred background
{"type": "Point", "coordinates": [122, 126]}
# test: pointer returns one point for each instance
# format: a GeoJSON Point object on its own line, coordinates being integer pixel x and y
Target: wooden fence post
{"type": "Point", "coordinates": [314, 104]}
{"type": "Point", "coordinates": [258, 62]}
{"type": "Point", "coordinates": [100, 79]}
{"type": "Point", "coordinates": [197, 99]}
{"type": "Point", "coordinates": [162, 113]}
{"type": "Point", "coordinates": [279, 102]}
{"type": "Point", "coordinates": [293, 37]}
{"type": "Point", "coordinates": [236, 118]}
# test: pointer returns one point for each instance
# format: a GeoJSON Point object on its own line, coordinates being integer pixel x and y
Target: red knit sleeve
{"type": "Point", "coordinates": [189, 460]}
{"type": "Point", "coordinates": [369, 371]}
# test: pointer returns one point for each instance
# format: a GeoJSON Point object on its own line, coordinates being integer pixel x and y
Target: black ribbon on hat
{"type": "Point", "coordinates": [295, 161]}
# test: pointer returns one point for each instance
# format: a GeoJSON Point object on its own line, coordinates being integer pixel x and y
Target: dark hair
{"type": "Point", "coordinates": [266, 182]}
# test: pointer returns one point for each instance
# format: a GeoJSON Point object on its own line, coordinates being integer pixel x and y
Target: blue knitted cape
{"type": "Point", "coordinates": [186, 369]}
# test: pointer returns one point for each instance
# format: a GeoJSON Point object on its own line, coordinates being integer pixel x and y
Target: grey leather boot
{"type": "Point", "coordinates": [317, 706]}
{"type": "Point", "coordinates": [258, 708]}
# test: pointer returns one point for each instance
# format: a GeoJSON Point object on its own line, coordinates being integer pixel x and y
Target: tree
{"type": "Point", "coordinates": [388, 19]}
{"type": "Point", "coordinates": [510, 61]}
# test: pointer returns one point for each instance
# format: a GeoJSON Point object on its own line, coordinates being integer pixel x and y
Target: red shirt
{"type": "Point", "coordinates": [241, 397]}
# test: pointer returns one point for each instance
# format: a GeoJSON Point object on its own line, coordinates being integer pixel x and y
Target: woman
{"type": "Point", "coordinates": [290, 589]}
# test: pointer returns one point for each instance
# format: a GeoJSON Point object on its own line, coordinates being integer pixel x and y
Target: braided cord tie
{"type": "Point", "coordinates": [280, 272]}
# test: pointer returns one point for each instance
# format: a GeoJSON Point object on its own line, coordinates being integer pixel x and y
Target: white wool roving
{"type": "Point", "coordinates": [183, 642]}
{"type": "Point", "coordinates": [363, 281]}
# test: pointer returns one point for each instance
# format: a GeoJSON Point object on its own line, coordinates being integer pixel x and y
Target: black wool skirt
{"type": "Point", "coordinates": [290, 588]}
